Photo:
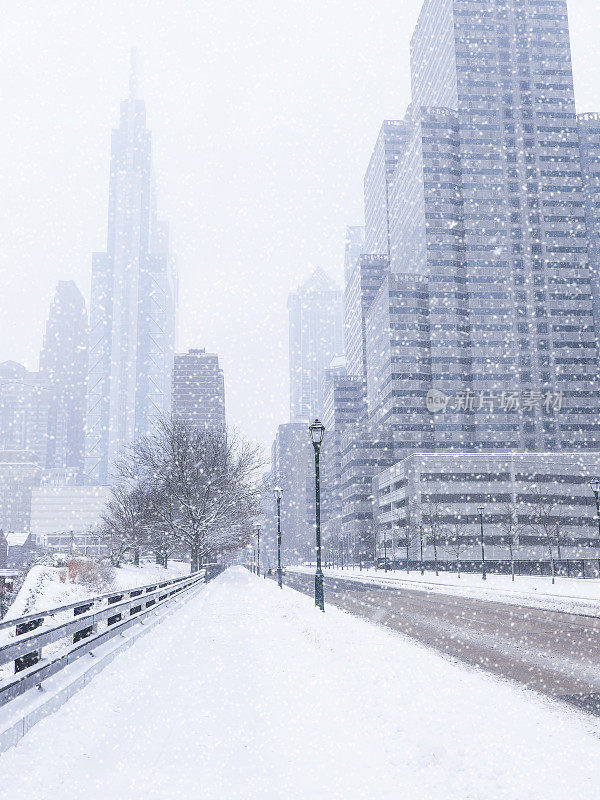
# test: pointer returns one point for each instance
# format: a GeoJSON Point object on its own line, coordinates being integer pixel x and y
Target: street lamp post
{"type": "Point", "coordinates": [278, 494]}
{"type": "Point", "coordinates": [257, 532]}
{"type": "Point", "coordinates": [421, 540]}
{"type": "Point", "coordinates": [317, 431]}
{"type": "Point", "coordinates": [483, 575]}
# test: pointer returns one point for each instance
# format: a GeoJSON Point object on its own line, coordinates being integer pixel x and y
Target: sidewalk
{"type": "Point", "coordinates": [575, 595]}
{"type": "Point", "coordinates": [250, 692]}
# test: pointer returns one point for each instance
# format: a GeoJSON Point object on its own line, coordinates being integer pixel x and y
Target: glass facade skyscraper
{"type": "Point", "coordinates": [133, 298]}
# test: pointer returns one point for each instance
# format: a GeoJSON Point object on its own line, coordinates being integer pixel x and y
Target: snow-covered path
{"type": "Point", "coordinates": [249, 692]}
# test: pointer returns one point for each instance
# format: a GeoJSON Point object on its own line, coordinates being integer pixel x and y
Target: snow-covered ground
{"type": "Point", "coordinates": [43, 588]}
{"type": "Point", "coordinates": [249, 692]}
{"type": "Point", "coordinates": [567, 594]}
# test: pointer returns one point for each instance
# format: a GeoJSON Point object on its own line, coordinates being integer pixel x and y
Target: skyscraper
{"type": "Point", "coordinates": [26, 401]}
{"type": "Point", "coordinates": [292, 469]}
{"type": "Point", "coordinates": [133, 298]}
{"type": "Point", "coordinates": [63, 363]}
{"type": "Point", "coordinates": [354, 247]}
{"type": "Point", "coordinates": [389, 148]}
{"type": "Point", "coordinates": [487, 203]}
{"type": "Point", "coordinates": [199, 390]}
{"type": "Point", "coordinates": [484, 337]}
{"type": "Point", "coordinates": [316, 336]}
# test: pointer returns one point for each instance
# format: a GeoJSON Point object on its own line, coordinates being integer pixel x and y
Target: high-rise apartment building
{"type": "Point", "coordinates": [199, 390]}
{"type": "Point", "coordinates": [316, 336]}
{"type": "Point", "coordinates": [63, 363]}
{"type": "Point", "coordinates": [133, 297]}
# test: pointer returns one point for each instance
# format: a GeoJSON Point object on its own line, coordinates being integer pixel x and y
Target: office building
{"type": "Point", "coordinates": [316, 336]}
{"type": "Point", "coordinates": [199, 390]}
{"type": "Point", "coordinates": [66, 519]}
{"type": "Point", "coordinates": [292, 469]}
{"type": "Point", "coordinates": [484, 339]}
{"type": "Point", "coordinates": [532, 501]}
{"type": "Point", "coordinates": [389, 148]}
{"type": "Point", "coordinates": [63, 364]}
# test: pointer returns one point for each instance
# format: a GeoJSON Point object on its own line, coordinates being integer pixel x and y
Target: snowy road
{"type": "Point", "coordinates": [553, 652]}
{"type": "Point", "coordinates": [249, 692]}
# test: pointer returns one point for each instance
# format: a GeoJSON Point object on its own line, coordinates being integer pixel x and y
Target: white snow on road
{"type": "Point", "coordinates": [572, 595]}
{"type": "Point", "coordinates": [249, 692]}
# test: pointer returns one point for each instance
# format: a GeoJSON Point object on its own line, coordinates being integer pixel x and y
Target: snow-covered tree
{"type": "Point", "coordinates": [204, 484]}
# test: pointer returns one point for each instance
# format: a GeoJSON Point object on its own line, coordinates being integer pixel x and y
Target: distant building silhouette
{"type": "Point", "coordinates": [316, 336]}
{"type": "Point", "coordinates": [132, 310]}
{"type": "Point", "coordinates": [63, 363]}
{"type": "Point", "coordinates": [199, 390]}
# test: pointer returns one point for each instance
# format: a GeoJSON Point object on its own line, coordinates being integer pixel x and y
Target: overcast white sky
{"type": "Point", "coordinates": [263, 117]}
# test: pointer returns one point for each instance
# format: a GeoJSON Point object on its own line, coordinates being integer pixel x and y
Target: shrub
{"type": "Point", "coordinates": [95, 575]}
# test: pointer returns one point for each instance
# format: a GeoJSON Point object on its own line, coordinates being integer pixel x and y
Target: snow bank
{"type": "Point", "coordinates": [573, 595]}
{"type": "Point", "coordinates": [43, 588]}
{"type": "Point", "coordinates": [249, 692]}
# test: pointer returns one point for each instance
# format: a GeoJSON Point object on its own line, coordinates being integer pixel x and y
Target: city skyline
{"type": "Point", "coordinates": [290, 256]}
{"type": "Point", "coordinates": [300, 399]}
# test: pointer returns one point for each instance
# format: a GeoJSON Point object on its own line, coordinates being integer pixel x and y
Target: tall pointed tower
{"type": "Point", "coordinates": [133, 300]}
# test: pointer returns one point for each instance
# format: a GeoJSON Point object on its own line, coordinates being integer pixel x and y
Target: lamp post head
{"type": "Point", "coordinates": [317, 431]}
{"type": "Point", "coordinates": [595, 485]}
{"type": "Point", "coordinates": [257, 528]}
{"type": "Point", "coordinates": [481, 509]}
{"type": "Point", "coordinates": [277, 493]}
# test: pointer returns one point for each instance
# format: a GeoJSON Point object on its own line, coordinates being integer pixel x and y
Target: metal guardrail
{"type": "Point", "coordinates": [118, 609]}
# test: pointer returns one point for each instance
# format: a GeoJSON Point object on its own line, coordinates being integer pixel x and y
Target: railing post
{"type": "Point", "coordinates": [28, 659]}
{"type": "Point", "coordinates": [85, 632]}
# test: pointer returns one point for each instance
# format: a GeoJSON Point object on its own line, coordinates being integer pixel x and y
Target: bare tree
{"type": "Point", "coordinates": [510, 531]}
{"type": "Point", "coordinates": [545, 522]}
{"type": "Point", "coordinates": [124, 522]}
{"type": "Point", "coordinates": [207, 482]}
{"type": "Point", "coordinates": [433, 514]}
{"type": "Point", "coordinates": [406, 541]}
{"type": "Point", "coordinates": [456, 544]}
{"type": "Point", "coordinates": [161, 540]}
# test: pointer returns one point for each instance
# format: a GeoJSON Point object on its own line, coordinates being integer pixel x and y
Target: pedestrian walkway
{"type": "Point", "coordinates": [249, 692]}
